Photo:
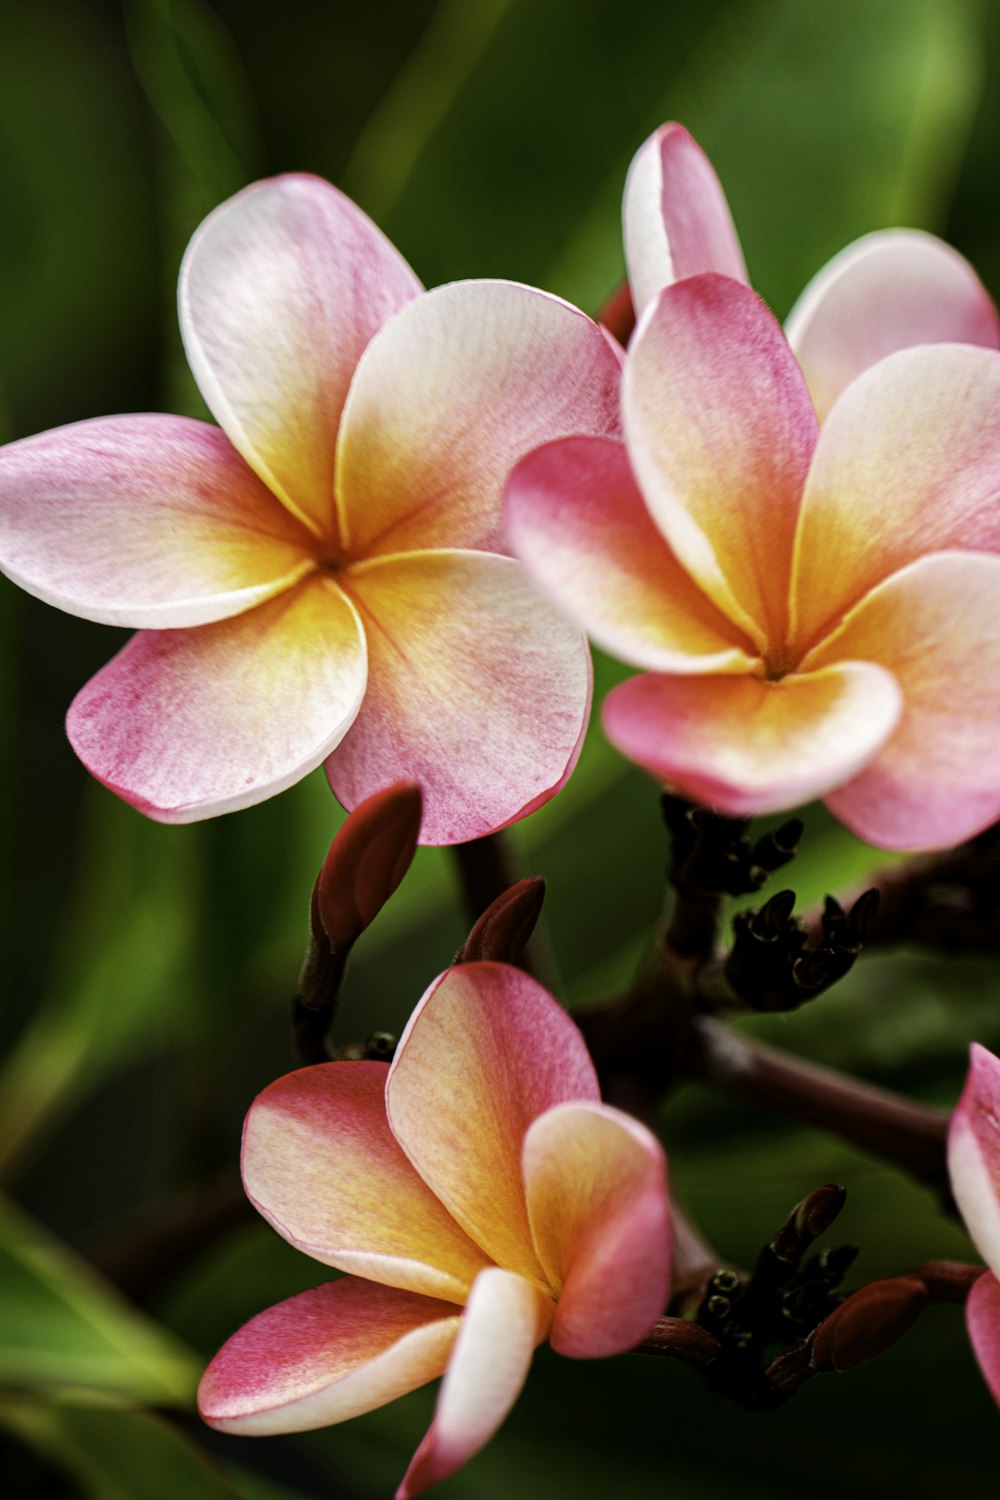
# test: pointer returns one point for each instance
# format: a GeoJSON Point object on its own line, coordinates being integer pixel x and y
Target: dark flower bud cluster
{"type": "Point", "coordinates": [771, 964]}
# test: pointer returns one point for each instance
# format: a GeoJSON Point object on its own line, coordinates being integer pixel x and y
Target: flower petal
{"type": "Point", "coordinates": [974, 1154]}
{"type": "Point", "coordinates": [596, 1186]}
{"type": "Point", "coordinates": [280, 290]}
{"type": "Point", "coordinates": [324, 1356]}
{"type": "Point", "coordinates": [908, 462]}
{"type": "Point", "coordinates": [982, 1318]}
{"type": "Point", "coordinates": [143, 520]}
{"type": "Point", "coordinates": [446, 400]}
{"type": "Point", "coordinates": [504, 1322]}
{"type": "Point", "coordinates": [745, 745]}
{"type": "Point", "coordinates": [478, 690]}
{"type": "Point", "coordinates": [889, 290]}
{"type": "Point", "coordinates": [576, 519]}
{"type": "Point", "coordinates": [485, 1052]}
{"type": "Point", "coordinates": [676, 218]}
{"type": "Point", "coordinates": [720, 432]}
{"type": "Point", "coordinates": [322, 1166]}
{"type": "Point", "coordinates": [186, 724]}
{"type": "Point", "coordinates": [934, 626]}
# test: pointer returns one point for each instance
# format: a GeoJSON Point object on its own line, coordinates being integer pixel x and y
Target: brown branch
{"type": "Point", "coordinates": [906, 1133]}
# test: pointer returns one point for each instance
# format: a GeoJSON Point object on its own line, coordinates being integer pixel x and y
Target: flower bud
{"type": "Point", "coordinates": [868, 1323]}
{"type": "Point", "coordinates": [505, 926]}
{"type": "Point", "coordinates": [366, 862]}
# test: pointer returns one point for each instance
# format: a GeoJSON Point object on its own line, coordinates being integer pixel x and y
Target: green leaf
{"type": "Point", "coordinates": [120, 1455]}
{"type": "Point", "coordinates": [63, 1330]}
{"type": "Point", "coordinates": [120, 983]}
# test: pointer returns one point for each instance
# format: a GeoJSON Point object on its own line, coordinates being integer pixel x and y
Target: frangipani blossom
{"type": "Point", "coordinates": [481, 1200]}
{"type": "Point", "coordinates": [974, 1168]}
{"type": "Point", "coordinates": [815, 610]}
{"type": "Point", "coordinates": [319, 577]}
{"type": "Point", "coordinates": [889, 290]}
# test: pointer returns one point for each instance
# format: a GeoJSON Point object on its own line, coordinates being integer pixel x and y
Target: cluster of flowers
{"type": "Point", "coordinates": [381, 559]}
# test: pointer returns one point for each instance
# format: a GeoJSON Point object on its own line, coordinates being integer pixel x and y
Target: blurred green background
{"type": "Point", "coordinates": [148, 968]}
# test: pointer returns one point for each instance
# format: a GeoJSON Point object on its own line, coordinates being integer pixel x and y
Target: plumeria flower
{"type": "Point", "coordinates": [481, 1200]}
{"type": "Point", "coordinates": [888, 290]}
{"type": "Point", "coordinates": [320, 576]}
{"type": "Point", "coordinates": [974, 1167]}
{"type": "Point", "coordinates": [815, 610]}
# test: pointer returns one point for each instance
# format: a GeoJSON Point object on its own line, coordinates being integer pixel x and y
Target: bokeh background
{"type": "Point", "coordinates": [148, 969]}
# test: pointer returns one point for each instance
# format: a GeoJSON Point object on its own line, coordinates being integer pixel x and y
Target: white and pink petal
{"type": "Point", "coordinates": [477, 689]}
{"type": "Point", "coordinates": [675, 216]}
{"type": "Point", "coordinates": [596, 1186]}
{"type": "Point", "coordinates": [186, 724]}
{"type": "Point", "coordinates": [933, 625]}
{"type": "Point", "coordinates": [974, 1154]}
{"type": "Point", "coordinates": [453, 391]}
{"type": "Point", "coordinates": [746, 745]}
{"type": "Point", "coordinates": [281, 289]}
{"type": "Point", "coordinates": [504, 1322]}
{"type": "Point", "coordinates": [323, 1167]}
{"type": "Point", "coordinates": [486, 1052]}
{"type": "Point", "coordinates": [889, 290]}
{"type": "Point", "coordinates": [908, 462]}
{"type": "Point", "coordinates": [579, 524]}
{"type": "Point", "coordinates": [325, 1356]}
{"type": "Point", "coordinates": [982, 1318]}
{"type": "Point", "coordinates": [144, 520]}
{"type": "Point", "coordinates": [720, 432]}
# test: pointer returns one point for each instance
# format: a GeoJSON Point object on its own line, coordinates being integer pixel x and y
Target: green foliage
{"type": "Point", "coordinates": [64, 1331]}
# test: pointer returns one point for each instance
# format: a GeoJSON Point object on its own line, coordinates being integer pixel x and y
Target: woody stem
{"type": "Point", "coordinates": [906, 1133]}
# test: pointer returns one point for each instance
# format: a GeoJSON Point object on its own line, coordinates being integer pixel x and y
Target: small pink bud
{"type": "Point", "coordinates": [366, 862]}
{"type": "Point", "coordinates": [868, 1323]}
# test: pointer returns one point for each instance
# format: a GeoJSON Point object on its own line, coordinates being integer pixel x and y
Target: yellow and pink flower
{"type": "Point", "coordinates": [974, 1168]}
{"type": "Point", "coordinates": [320, 577]}
{"type": "Point", "coordinates": [480, 1199]}
{"type": "Point", "coordinates": [815, 610]}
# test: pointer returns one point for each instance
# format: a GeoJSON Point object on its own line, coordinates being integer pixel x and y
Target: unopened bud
{"type": "Point", "coordinates": [500, 934]}
{"type": "Point", "coordinates": [366, 862]}
{"type": "Point", "coordinates": [868, 1323]}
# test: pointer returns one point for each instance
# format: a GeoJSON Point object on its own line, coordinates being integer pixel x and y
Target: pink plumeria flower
{"type": "Point", "coordinates": [481, 1200]}
{"type": "Point", "coordinates": [815, 610]}
{"type": "Point", "coordinates": [889, 290]}
{"type": "Point", "coordinates": [320, 576]}
{"type": "Point", "coordinates": [974, 1167]}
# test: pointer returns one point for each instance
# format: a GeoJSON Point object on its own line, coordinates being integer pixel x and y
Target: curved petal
{"type": "Point", "coordinates": [504, 1322]}
{"type": "Point", "coordinates": [321, 1164]}
{"type": "Point", "coordinates": [446, 400]}
{"type": "Point", "coordinates": [485, 1052]}
{"type": "Point", "coordinates": [596, 1186]}
{"type": "Point", "coordinates": [720, 432]}
{"type": "Point", "coordinates": [324, 1356]}
{"type": "Point", "coordinates": [280, 290]}
{"type": "Point", "coordinates": [974, 1154]}
{"type": "Point", "coordinates": [576, 519]}
{"type": "Point", "coordinates": [934, 626]}
{"type": "Point", "coordinates": [186, 724]}
{"type": "Point", "coordinates": [908, 462]}
{"type": "Point", "coordinates": [676, 219]}
{"type": "Point", "coordinates": [745, 745]}
{"type": "Point", "coordinates": [889, 290]}
{"type": "Point", "coordinates": [982, 1318]}
{"type": "Point", "coordinates": [144, 521]}
{"type": "Point", "coordinates": [477, 690]}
